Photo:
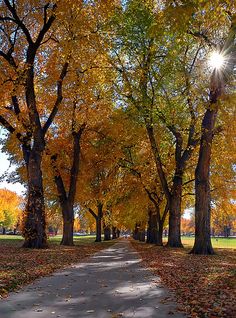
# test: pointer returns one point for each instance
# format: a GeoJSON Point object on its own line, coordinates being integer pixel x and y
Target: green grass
{"type": "Point", "coordinates": [218, 242]}
{"type": "Point", "coordinates": [88, 239]}
{"type": "Point", "coordinates": [78, 240]}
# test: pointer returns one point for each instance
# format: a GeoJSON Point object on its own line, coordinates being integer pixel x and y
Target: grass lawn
{"type": "Point", "coordinates": [217, 242]}
{"type": "Point", "coordinates": [19, 266]}
{"type": "Point", "coordinates": [204, 286]}
{"type": "Point", "coordinates": [13, 239]}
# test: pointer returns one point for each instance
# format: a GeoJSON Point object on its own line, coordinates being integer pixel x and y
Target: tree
{"type": "Point", "coordinates": [10, 210]}
{"type": "Point", "coordinates": [202, 244]}
{"type": "Point", "coordinates": [67, 199]}
{"type": "Point", "coordinates": [142, 55]}
{"type": "Point", "coordinates": [137, 161]}
{"type": "Point", "coordinates": [83, 98]}
{"type": "Point", "coordinates": [22, 53]}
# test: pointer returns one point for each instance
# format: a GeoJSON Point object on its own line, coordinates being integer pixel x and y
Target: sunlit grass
{"type": "Point", "coordinates": [217, 242]}
{"type": "Point", "coordinates": [78, 240]}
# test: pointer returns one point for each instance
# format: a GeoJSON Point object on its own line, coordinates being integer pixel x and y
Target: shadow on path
{"type": "Point", "coordinates": [111, 284]}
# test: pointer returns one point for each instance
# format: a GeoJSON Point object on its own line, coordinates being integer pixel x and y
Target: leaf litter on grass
{"type": "Point", "coordinates": [19, 266]}
{"type": "Point", "coordinates": [204, 286]}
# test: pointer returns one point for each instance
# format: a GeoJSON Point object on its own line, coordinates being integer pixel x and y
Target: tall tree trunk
{"type": "Point", "coordinates": [159, 241]}
{"type": "Point", "coordinates": [174, 237]}
{"type": "Point", "coordinates": [98, 230]}
{"type": "Point", "coordinates": [68, 224]}
{"type": "Point", "coordinates": [148, 235]}
{"type": "Point", "coordinates": [114, 233]}
{"type": "Point", "coordinates": [99, 223]}
{"type": "Point", "coordinates": [34, 223]}
{"type": "Point", "coordinates": [152, 227]}
{"type": "Point", "coordinates": [67, 199]}
{"type": "Point", "coordinates": [135, 232]}
{"type": "Point", "coordinates": [107, 233]}
{"type": "Point", "coordinates": [142, 235]}
{"type": "Point", "coordinates": [173, 197]}
{"type": "Point", "coordinates": [202, 244]}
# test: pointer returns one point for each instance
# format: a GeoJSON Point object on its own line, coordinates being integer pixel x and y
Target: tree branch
{"type": "Point", "coordinates": [18, 21]}
{"type": "Point", "coordinates": [47, 24]}
{"type": "Point", "coordinates": [93, 213]}
{"type": "Point", "coordinates": [58, 100]}
{"type": "Point", "coordinates": [8, 57]}
{"type": "Point", "coordinates": [189, 181]}
{"type": "Point", "coordinates": [75, 164]}
{"type": "Point", "coordinates": [58, 180]}
{"type": "Point", "coordinates": [202, 36]}
{"type": "Point", "coordinates": [11, 129]}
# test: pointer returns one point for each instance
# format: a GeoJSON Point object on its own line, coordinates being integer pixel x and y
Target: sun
{"type": "Point", "coordinates": [217, 60]}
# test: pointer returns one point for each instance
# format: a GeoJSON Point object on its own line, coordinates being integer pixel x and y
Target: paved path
{"type": "Point", "coordinates": [110, 284]}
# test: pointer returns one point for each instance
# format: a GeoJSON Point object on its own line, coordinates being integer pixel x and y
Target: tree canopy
{"type": "Point", "coordinates": [112, 107]}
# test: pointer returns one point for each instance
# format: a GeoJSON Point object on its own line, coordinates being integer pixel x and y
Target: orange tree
{"type": "Point", "coordinates": [10, 209]}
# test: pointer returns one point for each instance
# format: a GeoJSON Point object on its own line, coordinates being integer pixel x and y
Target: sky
{"type": "Point", "coordinates": [5, 167]}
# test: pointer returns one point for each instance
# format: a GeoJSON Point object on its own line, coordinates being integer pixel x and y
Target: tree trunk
{"type": "Point", "coordinates": [159, 241]}
{"type": "Point", "coordinates": [148, 233]}
{"type": "Point", "coordinates": [99, 223]}
{"type": "Point", "coordinates": [118, 233]}
{"type": "Point", "coordinates": [136, 232]}
{"type": "Point", "coordinates": [34, 223]}
{"type": "Point", "coordinates": [67, 238]}
{"type": "Point", "coordinates": [67, 199]}
{"type": "Point", "coordinates": [68, 224]}
{"type": "Point", "coordinates": [202, 244]}
{"type": "Point", "coordinates": [107, 233]}
{"type": "Point", "coordinates": [173, 197]}
{"type": "Point", "coordinates": [98, 229]}
{"type": "Point", "coordinates": [3, 230]}
{"type": "Point", "coordinates": [152, 227]}
{"type": "Point", "coordinates": [114, 233]}
{"type": "Point", "coordinates": [142, 235]}
{"type": "Point", "coordinates": [174, 238]}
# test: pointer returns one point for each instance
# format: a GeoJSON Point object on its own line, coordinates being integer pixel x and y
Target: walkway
{"type": "Point", "coordinates": [110, 284]}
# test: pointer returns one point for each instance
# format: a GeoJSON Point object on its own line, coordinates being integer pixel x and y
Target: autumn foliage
{"type": "Point", "coordinates": [10, 209]}
{"type": "Point", "coordinates": [116, 121]}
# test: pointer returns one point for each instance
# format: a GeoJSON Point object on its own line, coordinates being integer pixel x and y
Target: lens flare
{"type": "Point", "coordinates": [216, 60]}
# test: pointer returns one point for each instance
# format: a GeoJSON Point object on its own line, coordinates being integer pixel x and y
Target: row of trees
{"type": "Point", "coordinates": [115, 110]}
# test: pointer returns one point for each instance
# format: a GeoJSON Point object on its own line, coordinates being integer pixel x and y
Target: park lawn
{"type": "Point", "coordinates": [204, 286]}
{"type": "Point", "coordinates": [217, 242]}
{"type": "Point", "coordinates": [19, 266]}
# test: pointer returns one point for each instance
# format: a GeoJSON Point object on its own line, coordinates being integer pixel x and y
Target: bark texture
{"type": "Point", "coordinates": [174, 238]}
{"type": "Point", "coordinates": [152, 227]}
{"type": "Point", "coordinates": [202, 243]}
{"type": "Point", "coordinates": [34, 230]}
